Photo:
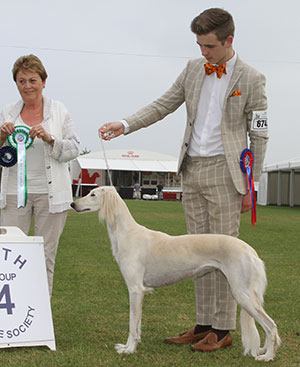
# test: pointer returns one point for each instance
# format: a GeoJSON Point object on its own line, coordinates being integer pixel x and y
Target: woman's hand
{"type": "Point", "coordinates": [6, 129]}
{"type": "Point", "coordinates": [111, 130]}
{"type": "Point", "coordinates": [39, 132]}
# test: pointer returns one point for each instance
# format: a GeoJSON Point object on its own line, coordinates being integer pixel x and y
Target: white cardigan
{"type": "Point", "coordinates": [57, 121]}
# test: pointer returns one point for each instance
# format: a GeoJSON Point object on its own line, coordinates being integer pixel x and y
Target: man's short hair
{"type": "Point", "coordinates": [214, 20]}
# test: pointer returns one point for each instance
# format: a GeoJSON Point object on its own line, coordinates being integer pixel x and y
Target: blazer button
{"type": "Point", "coordinates": [50, 182]}
{"type": "Point", "coordinates": [186, 144]}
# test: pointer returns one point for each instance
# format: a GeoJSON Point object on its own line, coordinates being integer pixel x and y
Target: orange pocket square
{"type": "Point", "coordinates": [236, 93]}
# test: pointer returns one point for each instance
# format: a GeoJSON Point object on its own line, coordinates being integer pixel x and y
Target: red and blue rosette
{"type": "Point", "coordinates": [246, 163]}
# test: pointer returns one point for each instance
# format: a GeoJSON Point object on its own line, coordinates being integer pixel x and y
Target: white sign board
{"type": "Point", "coordinates": [25, 310]}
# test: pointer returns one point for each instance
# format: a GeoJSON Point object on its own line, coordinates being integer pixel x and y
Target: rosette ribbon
{"type": "Point", "coordinates": [8, 156]}
{"type": "Point", "coordinates": [20, 140]}
{"type": "Point", "coordinates": [246, 163]}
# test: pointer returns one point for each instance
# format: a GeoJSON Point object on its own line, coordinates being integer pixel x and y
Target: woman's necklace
{"type": "Point", "coordinates": [32, 116]}
{"type": "Point", "coordinates": [33, 111]}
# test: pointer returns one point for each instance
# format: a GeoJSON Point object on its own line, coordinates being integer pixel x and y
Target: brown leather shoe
{"type": "Point", "coordinates": [210, 343]}
{"type": "Point", "coordinates": [187, 337]}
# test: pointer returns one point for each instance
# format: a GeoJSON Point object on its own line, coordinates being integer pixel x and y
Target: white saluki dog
{"type": "Point", "coordinates": [150, 259]}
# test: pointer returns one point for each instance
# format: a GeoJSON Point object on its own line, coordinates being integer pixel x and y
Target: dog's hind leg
{"type": "Point", "coordinates": [249, 331]}
{"type": "Point", "coordinates": [249, 292]}
{"type": "Point", "coordinates": [136, 301]}
{"type": "Point", "coordinates": [267, 353]}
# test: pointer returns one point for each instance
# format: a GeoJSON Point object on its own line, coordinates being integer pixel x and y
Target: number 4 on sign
{"type": "Point", "coordinates": [8, 305]}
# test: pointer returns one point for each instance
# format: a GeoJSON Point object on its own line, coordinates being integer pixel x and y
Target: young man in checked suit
{"type": "Point", "coordinates": [224, 99]}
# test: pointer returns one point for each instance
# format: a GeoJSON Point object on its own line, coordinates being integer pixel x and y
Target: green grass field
{"type": "Point", "coordinates": [90, 299]}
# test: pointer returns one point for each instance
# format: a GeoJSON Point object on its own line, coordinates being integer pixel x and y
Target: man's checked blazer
{"type": "Point", "coordinates": [245, 94]}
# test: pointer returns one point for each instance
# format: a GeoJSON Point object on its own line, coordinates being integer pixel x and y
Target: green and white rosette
{"type": "Point", "coordinates": [21, 140]}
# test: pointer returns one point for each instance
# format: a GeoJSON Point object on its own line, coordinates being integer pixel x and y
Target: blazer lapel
{"type": "Point", "coordinates": [199, 78]}
{"type": "Point", "coordinates": [237, 72]}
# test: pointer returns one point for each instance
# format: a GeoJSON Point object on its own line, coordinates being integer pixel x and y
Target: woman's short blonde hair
{"type": "Point", "coordinates": [29, 63]}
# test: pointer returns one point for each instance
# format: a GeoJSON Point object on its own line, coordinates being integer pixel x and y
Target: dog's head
{"type": "Point", "coordinates": [103, 199]}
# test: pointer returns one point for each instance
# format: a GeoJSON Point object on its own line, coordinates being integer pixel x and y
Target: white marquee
{"type": "Point", "coordinates": [127, 160]}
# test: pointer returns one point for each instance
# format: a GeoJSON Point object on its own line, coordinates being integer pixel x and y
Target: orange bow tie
{"type": "Point", "coordinates": [220, 69]}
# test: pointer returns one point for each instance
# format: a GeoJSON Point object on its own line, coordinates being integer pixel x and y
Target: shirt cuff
{"type": "Point", "coordinates": [126, 126]}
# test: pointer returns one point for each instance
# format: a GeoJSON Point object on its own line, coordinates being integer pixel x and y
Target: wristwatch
{"type": "Point", "coordinates": [52, 140]}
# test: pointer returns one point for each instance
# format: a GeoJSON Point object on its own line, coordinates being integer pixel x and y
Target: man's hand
{"type": "Point", "coordinates": [246, 203]}
{"type": "Point", "coordinates": [111, 130]}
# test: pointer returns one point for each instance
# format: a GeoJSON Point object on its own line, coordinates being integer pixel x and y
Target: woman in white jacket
{"type": "Point", "coordinates": [54, 143]}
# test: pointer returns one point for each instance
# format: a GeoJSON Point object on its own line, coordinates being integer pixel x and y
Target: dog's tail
{"type": "Point", "coordinates": [252, 305]}
{"type": "Point", "coordinates": [250, 335]}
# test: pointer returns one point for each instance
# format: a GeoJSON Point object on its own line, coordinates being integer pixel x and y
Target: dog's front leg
{"type": "Point", "coordinates": [134, 337]}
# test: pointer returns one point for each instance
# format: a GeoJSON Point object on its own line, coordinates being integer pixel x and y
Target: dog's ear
{"type": "Point", "coordinates": [108, 205]}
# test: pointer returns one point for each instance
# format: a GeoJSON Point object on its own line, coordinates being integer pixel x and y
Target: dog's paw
{"type": "Point", "coordinates": [120, 348]}
{"type": "Point", "coordinates": [262, 350]}
{"type": "Point", "coordinates": [124, 348]}
{"type": "Point", "coordinates": [264, 358]}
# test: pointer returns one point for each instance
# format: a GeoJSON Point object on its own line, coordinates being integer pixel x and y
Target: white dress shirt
{"type": "Point", "coordinates": [206, 139]}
